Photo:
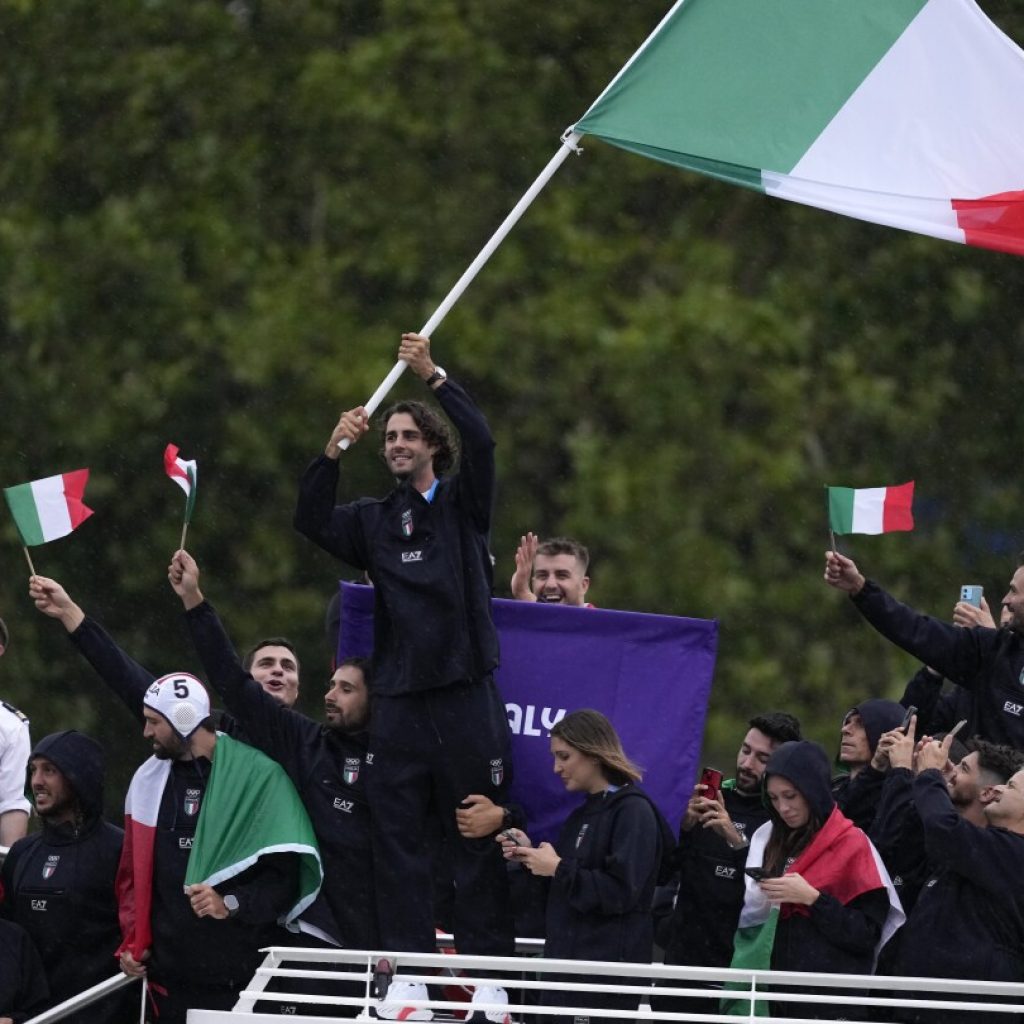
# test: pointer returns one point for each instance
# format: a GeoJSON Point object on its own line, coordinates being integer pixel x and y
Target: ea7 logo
{"type": "Point", "coordinates": [412, 556]}
{"type": "Point", "coordinates": [39, 905]}
{"type": "Point", "coordinates": [1013, 709]}
{"type": "Point", "coordinates": [343, 805]}
{"type": "Point", "coordinates": [185, 842]}
{"type": "Point", "coordinates": [721, 871]}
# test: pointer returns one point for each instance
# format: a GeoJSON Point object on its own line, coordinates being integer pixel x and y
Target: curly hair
{"type": "Point", "coordinates": [997, 760]}
{"type": "Point", "coordinates": [434, 429]}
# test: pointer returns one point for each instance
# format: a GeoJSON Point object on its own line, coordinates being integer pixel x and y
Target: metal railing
{"type": "Point", "coordinates": [83, 999]}
{"type": "Point", "coordinates": [530, 981]}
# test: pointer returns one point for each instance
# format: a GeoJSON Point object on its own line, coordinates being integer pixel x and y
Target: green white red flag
{"type": "Point", "coordinates": [184, 473]}
{"type": "Point", "coordinates": [871, 509]}
{"type": "Point", "coordinates": [897, 112]}
{"type": "Point", "coordinates": [46, 509]}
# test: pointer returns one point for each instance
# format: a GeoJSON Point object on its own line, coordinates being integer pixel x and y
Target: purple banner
{"type": "Point", "coordinates": [650, 674]}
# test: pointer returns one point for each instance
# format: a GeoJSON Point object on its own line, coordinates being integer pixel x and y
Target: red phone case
{"type": "Point", "coordinates": [712, 778]}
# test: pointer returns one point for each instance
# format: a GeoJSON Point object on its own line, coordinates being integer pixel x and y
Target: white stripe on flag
{"type": "Point", "coordinates": [51, 507]}
{"type": "Point", "coordinates": [868, 509]}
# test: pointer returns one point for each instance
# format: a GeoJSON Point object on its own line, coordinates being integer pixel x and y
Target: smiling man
{"type": "Point", "coordinates": [58, 883]}
{"type": "Point", "coordinates": [439, 731]}
{"type": "Point", "coordinates": [968, 921]}
{"type": "Point", "coordinates": [553, 571]}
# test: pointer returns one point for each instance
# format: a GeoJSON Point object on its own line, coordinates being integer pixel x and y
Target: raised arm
{"type": "Point", "coordinates": [955, 652]}
{"type": "Point", "coordinates": [122, 673]}
{"type": "Point", "coordinates": [276, 730]}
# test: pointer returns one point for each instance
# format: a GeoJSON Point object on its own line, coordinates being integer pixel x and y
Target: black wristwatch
{"type": "Point", "coordinates": [231, 904]}
{"type": "Point", "coordinates": [437, 375]}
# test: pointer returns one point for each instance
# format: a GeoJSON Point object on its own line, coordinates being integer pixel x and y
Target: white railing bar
{"type": "Point", "coordinates": [517, 965]}
{"type": "Point", "coordinates": [83, 999]}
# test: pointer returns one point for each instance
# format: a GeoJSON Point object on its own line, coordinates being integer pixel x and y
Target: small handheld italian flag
{"type": "Point", "coordinates": [183, 472]}
{"type": "Point", "coordinates": [47, 509]}
{"type": "Point", "coordinates": [871, 509]}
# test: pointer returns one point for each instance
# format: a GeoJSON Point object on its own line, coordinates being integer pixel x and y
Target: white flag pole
{"type": "Point", "coordinates": [569, 145]}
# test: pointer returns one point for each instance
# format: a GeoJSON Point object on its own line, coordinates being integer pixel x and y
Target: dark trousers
{"type": "Point", "coordinates": [432, 750]}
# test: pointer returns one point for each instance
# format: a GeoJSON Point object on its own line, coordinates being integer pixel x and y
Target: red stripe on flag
{"type": "Point", "coordinates": [171, 467]}
{"type": "Point", "coordinates": [896, 514]}
{"type": "Point", "coordinates": [993, 222]}
{"type": "Point", "coordinates": [74, 491]}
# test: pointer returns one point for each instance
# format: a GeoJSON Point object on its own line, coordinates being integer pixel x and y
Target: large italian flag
{"type": "Point", "coordinates": [46, 509]}
{"type": "Point", "coordinates": [900, 112]}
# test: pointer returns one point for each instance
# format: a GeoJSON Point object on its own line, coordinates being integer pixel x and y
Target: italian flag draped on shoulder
{"type": "Point", "coordinates": [898, 112]}
{"type": "Point", "coordinates": [250, 810]}
{"type": "Point", "coordinates": [839, 860]}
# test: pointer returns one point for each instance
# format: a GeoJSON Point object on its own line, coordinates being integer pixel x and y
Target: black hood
{"type": "Point", "coordinates": [809, 769]}
{"type": "Point", "coordinates": [80, 760]}
{"type": "Point", "coordinates": [879, 716]}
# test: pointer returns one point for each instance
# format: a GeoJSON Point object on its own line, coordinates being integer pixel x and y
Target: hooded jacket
{"type": "Point", "coordinates": [59, 884]}
{"type": "Point", "coordinates": [599, 901]}
{"type": "Point", "coordinates": [858, 796]}
{"type": "Point", "coordinates": [829, 936]}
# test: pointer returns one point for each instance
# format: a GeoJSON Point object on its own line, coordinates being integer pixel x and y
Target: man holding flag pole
{"type": "Point", "coordinates": [439, 731]}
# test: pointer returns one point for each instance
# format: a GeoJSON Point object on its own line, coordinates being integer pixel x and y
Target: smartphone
{"type": "Point", "coordinates": [905, 724]}
{"type": "Point", "coordinates": [510, 836]}
{"type": "Point", "coordinates": [972, 594]}
{"type": "Point", "coordinates": [712, 778]}
{"type": "Point", "coordinates": [956, 728]}
{"type": "Point", "coordinates": [757, 874]}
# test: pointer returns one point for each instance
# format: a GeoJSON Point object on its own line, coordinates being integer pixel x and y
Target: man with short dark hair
{"type": "Point", "coordinates": [14, 747]}
{"type": "Point", "coordinates": [274, 664]}
{"type": "Point", "coordinates": [711, 856]}
{"type": "Point", "coordinates": [553, 571]}
{"type": "Point", "coordinates": [988, 662]}
{"type": "Point", "coordinates": [58, 883]}
{"type": "Point", "coordinates": [968, 921]}
{"type": "Point", "coordinates": [439, 730]}
{"type": "Point", "coordinates": [326, 762]}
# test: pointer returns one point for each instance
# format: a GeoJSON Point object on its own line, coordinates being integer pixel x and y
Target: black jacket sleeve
{"type": "Point", "coordinates": [281, 733]}
{"type": "Point", "coordinates": [265, 891]}
{"type": "Point", "coordinates": [855, 927]}
{"type": "Point", "coordinates": [335, 528]}
{"type": "Point", "coordinates": [615, 886]}
{"type": "Point", "coordinates": [956, 652]}
{"type": "Point", "coordinates": [897, 830]}
{"type": "Point", "coordinates": [24, 991]}
{"type": "Point", "coordinates": [122, 673]}
{"type": "Point", "coordinates": [476, 459]}
{"type": "Point", "coordinates": [986, 856]}
{"type": "Point", "coordinates": [858, 800]}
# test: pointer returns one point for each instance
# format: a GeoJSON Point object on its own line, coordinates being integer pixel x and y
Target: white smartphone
{"type": "Point", "coordinates": [972, 594]}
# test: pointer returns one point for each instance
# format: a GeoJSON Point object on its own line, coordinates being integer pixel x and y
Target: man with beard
{"type": "Point", "coordinates": [198, 944]}
{"type": "Point", "coordinates": [971, 775]}
{"type": "Point", "coordinates": [968, 921]}
{"type": "Point", "coordinates": [58, 883]}
{"type": "Point", "coordinates": [439, 731]}
{"type": "Point", "coordinates": [551, 572]}
{"type": "Point", "coordinates": [710, 858]}
{"type": "Point", "coordinates": [326, 763]}
{"type": "Point", "coordinates": [988, 662]}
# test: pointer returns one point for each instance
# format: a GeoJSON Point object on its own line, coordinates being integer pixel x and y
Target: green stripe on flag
{"type": "Point", "coordinates": [190, 499]}
{"type": "Point", "coordinates": [840, 509]}
{"type": "Point", "coordinates": [22, 503]}
{"type": "Point", "coordinates": [746, 83]}
{"type": "Point", "coordinates": [752, 951]}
